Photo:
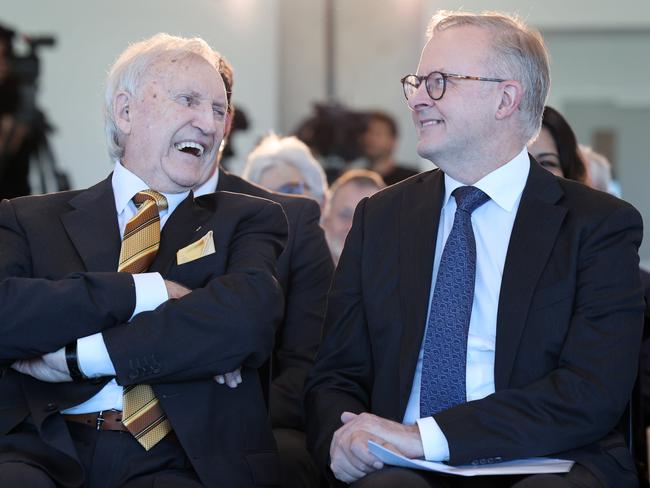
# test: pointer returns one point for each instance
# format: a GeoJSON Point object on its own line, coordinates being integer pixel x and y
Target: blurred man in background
{"type": "Point", "coordinates": [345, 193]}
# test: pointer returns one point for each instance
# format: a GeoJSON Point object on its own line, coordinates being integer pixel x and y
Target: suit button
{"type": "Point", "coordinates": [51, 407]}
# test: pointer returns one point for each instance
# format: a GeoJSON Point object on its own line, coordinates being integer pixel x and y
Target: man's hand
{"type": "Point", "coordinates": [405, 438]}
{"type": "Point", "coordinates": [174, 290]}
{"type": "Point", "coordinates": [231, 379]}
{"type": "Point", "coordinates": [349, 454]}
{"type": "Point", "coordinates": [51, 367]}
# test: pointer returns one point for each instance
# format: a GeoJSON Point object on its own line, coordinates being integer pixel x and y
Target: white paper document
{"type": "Point", "coordinates": [519, 466]}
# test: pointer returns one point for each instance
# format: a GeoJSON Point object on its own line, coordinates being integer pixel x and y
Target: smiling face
{"type": "Point", "coordinates": [174, 124]}
{"type": "Point", "coordinates": [459, 129]}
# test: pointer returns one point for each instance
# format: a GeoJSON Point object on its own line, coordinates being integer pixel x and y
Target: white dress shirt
{"type": "Point", "coordinates": [492, 224]}
{"type": "Point", "coordinates": [150, 291]}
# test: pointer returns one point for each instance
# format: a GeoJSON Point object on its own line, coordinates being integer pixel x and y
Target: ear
{"type": "Point", "coordinates": [121, 111]}
{"type": "Point", "coordinates": [511, 95]}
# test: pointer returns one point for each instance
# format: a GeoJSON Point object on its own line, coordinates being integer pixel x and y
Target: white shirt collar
{"type": "Point", "coordinates": [126, 184]}
{"type": "Point", "coordinates": [504, 185]}
{"type": "Point", "coordinates": [209, 185]}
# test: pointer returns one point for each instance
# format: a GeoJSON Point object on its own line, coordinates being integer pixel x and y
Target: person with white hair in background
{"type": "Point", "coordinates": [286, 165]}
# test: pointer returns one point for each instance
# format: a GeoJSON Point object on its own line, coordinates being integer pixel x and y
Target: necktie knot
{"type": "Point", "coordinates": [143, 196]}
{"type": "Point", "coordinates": [469, 198]}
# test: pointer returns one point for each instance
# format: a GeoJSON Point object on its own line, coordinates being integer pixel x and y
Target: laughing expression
{"type": "Point", "coordinates": [174, 124]}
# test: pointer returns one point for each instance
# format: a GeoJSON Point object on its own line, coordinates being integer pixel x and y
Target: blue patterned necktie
{"type": "Point", "coordinates": [445, 341]}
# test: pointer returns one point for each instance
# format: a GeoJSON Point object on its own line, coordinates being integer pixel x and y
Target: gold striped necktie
{"type": "Point", "coordinates": [142, 414]}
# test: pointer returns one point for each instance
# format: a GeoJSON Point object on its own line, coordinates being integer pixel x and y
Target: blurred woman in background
{"type": "Point", "coordinates": [286, 165]}
{"type": "Point", "coordinates": [556, 147]}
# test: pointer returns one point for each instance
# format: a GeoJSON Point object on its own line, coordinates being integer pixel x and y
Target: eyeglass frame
{"type": "Point", "coordinates": [293, 188]}
{"type": "Point", "coordinates": [444, 75]}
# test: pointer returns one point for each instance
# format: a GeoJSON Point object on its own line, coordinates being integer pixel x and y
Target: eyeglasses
{"type": "Point", "coordinates": [293, 188]}
{"type": "Point", "coordinates": [436, 83]}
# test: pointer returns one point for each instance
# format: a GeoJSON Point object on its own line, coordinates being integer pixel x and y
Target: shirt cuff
{"type": "Point", "coordinates": [434, 442]}
{"type": "Point", "coordinates": [93, 357]}
{"type": "Point", "coordinates": [150, 291]}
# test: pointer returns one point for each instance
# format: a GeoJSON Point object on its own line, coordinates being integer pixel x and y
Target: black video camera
{"type": "Point", "coordinates": [19, 81]}
{"type": "Point", "coordinates": [27, 68]}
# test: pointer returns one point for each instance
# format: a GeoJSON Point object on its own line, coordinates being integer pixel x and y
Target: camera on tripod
{"type": "Point", "coordinates": [25, 143]}
{"type": "Point", "coordinates": [23, 70]}
{"type": "Point", "coordinates": [26, 69]}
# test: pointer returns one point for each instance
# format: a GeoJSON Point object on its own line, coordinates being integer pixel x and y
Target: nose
{"type": "Point", "coordinates": [205, 119]}
{"type": "Point", "coordinates": [420, 99]}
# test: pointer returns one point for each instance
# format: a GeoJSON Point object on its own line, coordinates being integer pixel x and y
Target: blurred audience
{"type": "Point", "coordinates": [332, 132]}
{"type": "Point", "coordinates": [285, 165]}
{"type": "Point", "coordinates": [599, 171]}
{"type": "Point", "coordinates": [556, 147]}
{"type": "Point", "coordinates": [344, 195]}
{"type": "Point", "coordinates": [378, 144]}
{"type": "Point", "coordinates": [304, 271]}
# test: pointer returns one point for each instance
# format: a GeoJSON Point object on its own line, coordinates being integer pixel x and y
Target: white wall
{"type": "Point", "coordinates": [278, 51]}
{"type": "Point", "coordinates": [91, 34]}
{"type": "Point", "coordinates": [600, 51]}
{"type": "Point", "coordinates": [379, 41]}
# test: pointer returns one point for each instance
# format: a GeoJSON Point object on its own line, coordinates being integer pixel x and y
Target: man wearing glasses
{"type": "Point", "coordinates": [488, 310]}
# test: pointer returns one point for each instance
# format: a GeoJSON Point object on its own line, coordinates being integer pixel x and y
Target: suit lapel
{"type": "Point", "coordinates": [179, 230]}
{"type": "Point", "coordinates": [418, 228]}
{"type": "Point", "coordinates": [226, 182]}
{"type": "Point", "coordinates": [533, 235]}
{"type": "Point", "coordinates": [93, 229]}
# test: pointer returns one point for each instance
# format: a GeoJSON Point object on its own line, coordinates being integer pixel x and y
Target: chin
{"type": "Point", "coordinates": [426, 151]}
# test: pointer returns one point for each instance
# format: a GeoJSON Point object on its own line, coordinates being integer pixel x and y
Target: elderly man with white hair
{"type": "Point", "coordinates": [122, 302]}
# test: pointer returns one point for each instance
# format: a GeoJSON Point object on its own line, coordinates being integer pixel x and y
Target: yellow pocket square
{"type": "Point", "coordinates": [203, 247]}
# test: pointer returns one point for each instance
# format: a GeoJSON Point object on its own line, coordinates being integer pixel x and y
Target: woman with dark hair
{"type": "Point", "coordinates": [556, 147]}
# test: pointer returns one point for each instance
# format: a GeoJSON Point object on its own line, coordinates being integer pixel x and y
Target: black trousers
{"type": "Point", "coordinates": [111, 459]}
{"type": "Point", "coordinates": [298, 468]}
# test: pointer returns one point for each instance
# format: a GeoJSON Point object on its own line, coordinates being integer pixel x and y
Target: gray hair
{"type": "Point", "coordinates": [131, 67]}
{"type": "Point", "coordinates": [363, 178]}
{"type": "Point", "coordinates": [274, 151]}
{"type": "Point", "coordinates": [599, 169]}
{"type": "Point", "coordinates": [520, 54]}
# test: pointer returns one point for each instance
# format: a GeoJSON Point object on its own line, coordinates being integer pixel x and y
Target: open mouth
{"type": "Point", "coordinates": [190, 147]}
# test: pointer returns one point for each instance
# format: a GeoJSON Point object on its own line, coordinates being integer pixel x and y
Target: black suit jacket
{"type": "Point", "coordinates": [228, 320]}
{"type": "Point", "coordinates": [568, 326]}
{"type": "Point", "coordinates": [305, 271]}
